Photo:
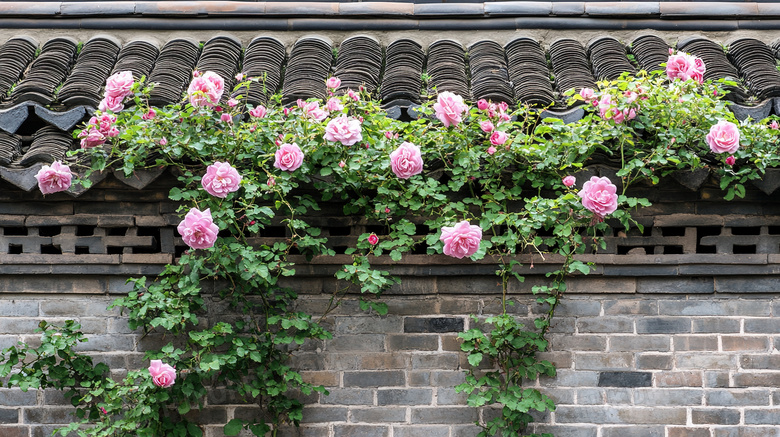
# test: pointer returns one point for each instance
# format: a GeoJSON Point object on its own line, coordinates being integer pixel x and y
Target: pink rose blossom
{"type": "Point", "coordinates": [406, 161]}
{"type": "Point", "coordinates": [723, 137]}
{"type": "Point", "coordinates": [288, 157]}
{"type": "Point", "coordinates": [373, 239]}
{"type": "Point", "coordinates": [486, 126]}
{"type": "Point", "coordinates": [313, 111]}
{"type": "Point", "coordinates": [271, 182]}
{"type": "Point", "coordinates": [503, 106]}
{"type": "Point", "coordinates": [387, 210]}
{"type": "Point", "coordinates": [333, 82]}
{"type": "Point", "coordinates": [629, 113]}
{"type": "Point", "coordinates": [388, 135]}
{"type": "Point", "coordinates": [239, 76]}
{"type": "Point", "coordinates": [731, 160]}
{"type": "Point", "coordinates": [119, 85]}
{"type": "Point", "coordinates": [54, 178]}
{"type": "Point", "coordinates": [226, 118]}
{"type": "Point", "coordinates": [206, 89]}
{"type": "Point", "coordinates": [163, 141]}
{"type": "Point", "coordinates": [103, 410]}
{"type": "Point", "coordinates": [482, 104]}
{"type": "Point", "coordinates": [586, 93]}
{"type": "Point", "coordinates": [491, 150]}
{"type": "Point", "coordinates": [149, 115]}
{"type": "Point", "coordinates": [353, 95]}
{"type": "Point", "coordinates": [163, 375]}
{"type": "Point", "coordinates": [619, 117]}
{"type": "Point", "coordinates": [91, 137]}
{"type": "Point", "coordinates": [220, 179]}
{"type": "Point", "coordinates": [286, 111]}
{"type": "Point", "coordinates": [774, 124]}
{"type": "Point", "coordinates": [232, 103]}
{"type": "Point", "coordinates": [112, 132]}
{"type": "Point", "coordinates": [461, 240]}
{"type": "Point", "coordinates": [342, 164]}
{"type": "Point", "coordinates": [258, 112]}
{"type": "Point", "coordinates": [569, 181]}
{"type": "Point", "coordinates": [630, 96]}
{"type": "Point", "coordinates": [195, 73]}
{"type": "Point", "coordinates": [334, 105]}
{"type": "Point", "coordinates": [111, 103]}
{"type": "Point", "coordinates": [498, 138]}
{"type": "Point", "coordinates": [198, 229]}
{"type": "Point", "coordinates": [683, 66]}
{"type": "Point", "coordinates": [345, 130]}
{"type": "Point", "coordinates": [599, 196]}
{"type": "Point", "coordinates": [450, 108]}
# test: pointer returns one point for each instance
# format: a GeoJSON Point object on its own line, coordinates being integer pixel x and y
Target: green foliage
{"type": "Point", "coordinates": [514, 193]}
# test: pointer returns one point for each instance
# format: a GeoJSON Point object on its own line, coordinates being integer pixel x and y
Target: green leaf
{"type": "Point", "coordinates": [233, 427]}
{"type": "Point", "coordinates": [475, 359]}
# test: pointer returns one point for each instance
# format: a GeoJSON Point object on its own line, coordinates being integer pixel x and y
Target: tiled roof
{"type": "Point", "coordinates": [48, 88]}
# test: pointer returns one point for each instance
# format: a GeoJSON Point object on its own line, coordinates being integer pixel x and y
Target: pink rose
{"type": "Point", "coordinates": [629, 113]}
{"type": "Point", "coordinates": [271, 182]}
{"type": "Point", "coordinates": [334, 104]}
{"type": "Point", "coordinates": [599, 196]}
{"type": "Point", "coordinates": [288, 157]}
{"type": "Point", "coordinates": [198, 229]}
{"type": "Point", "coordinates": [630, 96]}
{"type": "Point", "coordinates": [226, 118]}
{"type": "Point", "coordinates": [498, 138]}
{"type": "Point", "coordinates": [239, 76]}
{"type": "Point", "coordinates": [258, 112]}
{"type": "Point", "coordinates": [149, 115]}
{"type": "Point", "coordinates": [119, 85]}
{"type": "Point", "coordinates": [491, 150]}
{"type": "Point", "coordinates": [54, 178]}
{"type": "Point", "coordinates": [406, 161]}
{"type": "Point", "coordinates": [450, 108]}
{"type": "Point", "coordinates": [232, 103]}
{"type": "Point", "coordinates": [723, 137]}
{"type": "Point", "coordinates": [342, 164]}
{"type": "Point", "coordinates": [676, 66]}
{"type": "Point", "coordinates": [163, 375]}
{"type": "Point", "coordinates": [486, 126]}
{"type": "Point", "coordinates": [461, 240]}
{"type": "Point", "coordinates": [111, 103]}
{"type": "Point", "coordinates": [373, 239]}
{"type": "Point", "coordinates": [112, 132]}
{"type": "Point", "coordinates": [345, 130]}
{"type": "Point", "coordinates": [586, 93]}
{"type": "Point", "coordinates": [206, 89]}
{"type": "Point", "coordinates": [353, 95]}
{"type": "Point", "coordinates": [774, 124]}
{"type": "Point", "coordinates": [91, 137]}
{"type": "Point", "coordinates": [313, 111]}
{"type": "Point", "coordinates": [482, 104]}
{"type": "Point", "coordinates": [163, 141]}
{"type": "Point", "coordinates": [220, 179]}
{"type": "Point", "coordinates": [569, 181]}
{"type": "Point", "coordinates": [730, 160]}
{"type": "Point", "coordinates": [333, 82]}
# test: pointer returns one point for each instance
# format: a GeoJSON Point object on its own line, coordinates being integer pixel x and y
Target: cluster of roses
{"type": "Point", "coordinates": [683, 66]}
{"type": "Point", "coordinates": [98, 131]}
{"type": "Point", "coordinates": [612, 109]}
{"type": "Point", "coordinates": [118, 87]}
{"type": "Point", "coordinates": [450, 110]}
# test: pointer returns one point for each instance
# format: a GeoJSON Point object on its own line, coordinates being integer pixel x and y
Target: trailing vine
{"type": "Point", "coordinates": [485, 182]}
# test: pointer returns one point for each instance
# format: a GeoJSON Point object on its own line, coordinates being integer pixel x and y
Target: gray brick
{"type": "Point", "coordinates": [433, 324]}
{"type": "Point", "coordinates": [762, 326]}
{"type": "Point", "coordinates": [618, 396]}
{"type": "Point", "coordinates": [705, 361]}
{"type": "Point", "coordinates": [572, 378]}
{"type": "Point", "coordinates": [663, 325]}
{"type": "Point", "coordinates": [350, 396]}
{"type": "Point", "coordinates": [378, 415]}
{"type": "Point", "coordinates": [563, 342]}
{"type": "Point", "coordinates": [578, 307]}
{"type": "Point", "coordinates": [18, 325]}
{"type": "Point", "coordinates": [360, 431]}
{"type": "Point", "coordinates": [744, 343]}
{"type": "Point", "coordinates": [625, 379]}
{"type": "Point", "coordinates": [422, 342]}
{"type": "Point", "coordinates": [610, 415]}
{"type": "Point", "coordinates": [678, 379]}
{"type": "Point", "coordinates": [14, 431]}
{"type": "Point", "coordinates": [361, 343]}
{"type": "Point", "coordinates": [715, 325]}
{"type": "Point", "coordinates": [107, 343]}
{"type": "Point", "coordinates": [639, 343]}
{"type": "Point", "coordinates": [768, 379]}
{"type": "Point", "coordinates": [604, 325]}
{"type": "Point", "coordinates": [590, 396]}
{"type": "Point", "coordinates": [633, 431]}
{"type": "Point", "coordinates": [407, 396]}
{"type": "Point", "coordinates": [448, 396]}
{"type": "Point", "coordinates": [714, 308]}
{"type": "Point", "coordinates": [730, 398]}
{"type": "Point", "coordinates": [744, 431]}
{"type": "Point", "coordinates": [447, 378]}
{"type": "Point", "coordinates": [421, 431]}
{"type": "Point", "coordinates": [8, 415]}
{"type": "Point", "coordinates": [368, 325]}
{"type": "Point", "coordinates": [668, 397]}
{"type": "Point", "coordinates": [688, 432]}
{"type": "Point", "coordinates": [654, 361]}
{"type": "Point", "coordinates": [563, 430]}
{"type": "Point", "coordinates": [716, 379]}
{"type": "Point", "coordinates": [691, 285]}
{"type": "Point", "coordinates": [603, 361]}
{"type": "Point", "coordinates": [762, 417]}
{"type": "Point", "coordinates": [319, 414]}
{"type": "Point", "coordinates": [465, 431]}
{"type": "Point", "coordinates": [75, 308]}
{"type": "Point", "coordinates": [16, 398]}
{"type": "Point", "coordinates": [50, 415]}
{"type": "Point", "coordinates": [695, 343]}
{"type": "Point", "coordinates": [18, 308]}
{"type": "Point", "coordinates": [444, 415]}
{"type": "Point", "coordinates": [380, 361]}
{"type": "Point", "coordinates": [374, 379]}
{"type": "Point", "coordinates": [631, 307]}
{"type": "Point", "coordinates": [440, 361]}
{"type": "Point", "coordinates": [714, 416]}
